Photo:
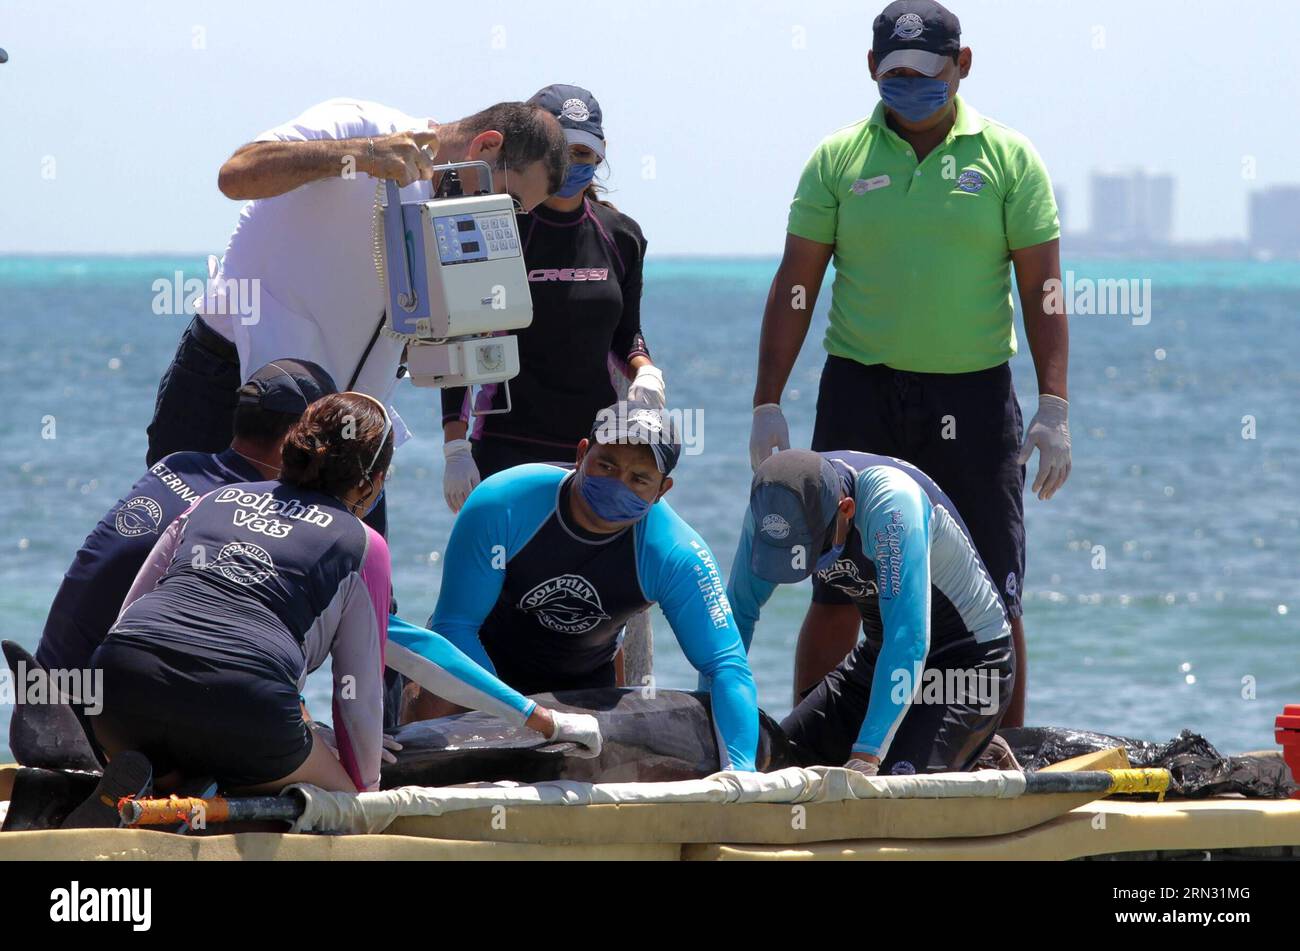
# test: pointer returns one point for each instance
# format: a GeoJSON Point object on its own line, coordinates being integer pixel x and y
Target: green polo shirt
{"type": "Point", "coordinates": [923, 252]}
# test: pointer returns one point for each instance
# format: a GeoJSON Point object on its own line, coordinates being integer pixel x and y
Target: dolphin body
{"type": "Point", "coordinates": [649, 736]}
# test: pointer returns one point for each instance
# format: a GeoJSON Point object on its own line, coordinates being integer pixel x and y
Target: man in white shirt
{"type": "Point", "coordinates": [298, 278]}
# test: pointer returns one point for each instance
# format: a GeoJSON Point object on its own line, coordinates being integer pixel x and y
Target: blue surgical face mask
{"type": "Point", "coordinates": [914, 97]}
{"type": "Point", "coordinates": [828, 558]}
{"type": "Point", "coordinates": [579, 177]}
{"type": "Point", "coordinates": [611, 499]}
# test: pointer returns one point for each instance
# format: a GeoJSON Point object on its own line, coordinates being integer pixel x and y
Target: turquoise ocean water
{"type": "Point", "coordinates": [1193, 621]}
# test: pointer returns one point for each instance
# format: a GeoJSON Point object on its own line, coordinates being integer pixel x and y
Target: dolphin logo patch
{"type": "Point", "coordinates": [568, 604]}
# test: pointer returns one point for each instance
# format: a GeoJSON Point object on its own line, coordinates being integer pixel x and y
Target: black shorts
{"type": "Point", "coordinates": [934, 737]}
{"type": "Point", "coordinates": [192, 714]}
{"type": "Point", "coordinates": [195, 407]}
{"type": "Point", "coordinates": [963, 430]}
{"type": "Point", "coordinates": [492, 454]}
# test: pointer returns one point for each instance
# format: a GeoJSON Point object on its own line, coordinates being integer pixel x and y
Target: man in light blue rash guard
{"type": "Point", "coordinates": [926, 688]}
{"type": "Point", "coordinates": [545, 565]}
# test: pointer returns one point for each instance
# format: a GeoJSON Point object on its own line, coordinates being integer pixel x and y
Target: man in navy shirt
{"type": "Point", "coordinates": [94, 587]}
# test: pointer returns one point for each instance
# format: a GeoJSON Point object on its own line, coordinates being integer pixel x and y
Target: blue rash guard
{"type": "Point", "coordinates": [910, 568]}
{"type": "Point", "coordinates": [536, 599]}
{"type": "Point", "coordinates": [434, 662]}
{"type": "Point", "coordinates": [91, 595]}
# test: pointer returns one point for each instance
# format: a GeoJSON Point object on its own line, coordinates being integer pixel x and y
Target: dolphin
{"type": "Point", "coordinates": [46, 735]}
{"type": "Point", "coordinates": [648, 736]}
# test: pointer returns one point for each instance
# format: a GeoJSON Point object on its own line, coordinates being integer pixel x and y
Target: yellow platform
{"type": "Point", "coordinates": [1053, 827]}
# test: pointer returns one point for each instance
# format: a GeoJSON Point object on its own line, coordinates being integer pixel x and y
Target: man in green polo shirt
{"type": "Point", "coordinates": [924, 207]}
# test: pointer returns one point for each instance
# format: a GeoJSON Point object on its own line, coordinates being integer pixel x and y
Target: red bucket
{"type": "Point", "coordinates": [1287, 732]}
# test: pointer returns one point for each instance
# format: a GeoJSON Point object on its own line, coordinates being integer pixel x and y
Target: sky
{"type": "Point", "coordinates": [117, 116]}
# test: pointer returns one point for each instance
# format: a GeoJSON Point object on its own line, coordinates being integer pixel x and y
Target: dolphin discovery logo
{"type": "Point", "coordinates": [575, 110]}
{"type": "Point", "coordinates": [908, 27]}
{"type": "Point", "coordinates": [844, 576]}
{"type": "Point", "coordinates": [244, 563]}
{"type": "Point", "coordinates": [774, 526]}
{"type": "Point", "coordinates": [568, 604]}
{"type": "Point", "coordinates": [138, 516]}
{"type": "Point", "coordinates": [970, 181]}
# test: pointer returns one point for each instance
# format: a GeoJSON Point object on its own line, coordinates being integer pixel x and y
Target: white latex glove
{"type": "Point", "coordinates": [863, 767]}
{"type": "Point", "coordinates": [1049, 430]}
{"type": "Point", "coordinates": [647, 388]}
{"type": "Point", "coordinates": [769, 431]}
{"type": "Point", "coordinates": [460, 475]}
{"type": "Point", "coordinates": [581, 729]}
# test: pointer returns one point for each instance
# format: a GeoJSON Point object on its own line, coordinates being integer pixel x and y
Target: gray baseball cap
{"type": "Point", "coordinates": [793, 500]}
{"type": "Point", "coordinates": [626, 423]}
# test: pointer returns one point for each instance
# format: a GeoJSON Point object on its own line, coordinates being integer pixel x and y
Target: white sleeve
{"type": "Point", "coordinates": [342, 119]}
{"type": "Point", "coordinates": [358, 702]}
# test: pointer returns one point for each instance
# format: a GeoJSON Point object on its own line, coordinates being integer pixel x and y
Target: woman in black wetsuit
{"type": "Point", "coordinates": [584, 262]}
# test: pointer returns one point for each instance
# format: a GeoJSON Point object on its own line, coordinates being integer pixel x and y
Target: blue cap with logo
{"type": "Point", "coordinates": [915, 34]}
{"type": "Point", "coordinates": [578, 112]}
{"type": "Point", "coordinates": [793, 500]}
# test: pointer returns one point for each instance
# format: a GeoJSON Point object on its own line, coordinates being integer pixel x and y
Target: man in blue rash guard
{"type": "Point", "coordinates": [546, 564]}
{"type": "Point", "coordinates": [926, 688]}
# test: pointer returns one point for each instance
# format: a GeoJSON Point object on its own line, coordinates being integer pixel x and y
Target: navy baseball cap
{"type": "Point", "coordinates": [626, 423]}
{"type": "Point", "coordinates": [793, 501]}
{"type": "Point", "coordinates": [287, 386]}
{"type": "Point", "coordinates": [578, 112]}
{"type": "Point", "coordinates": [916, 34]}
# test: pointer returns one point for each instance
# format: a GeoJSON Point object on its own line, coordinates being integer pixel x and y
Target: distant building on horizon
{"type": "Point", "coordinates": [1132, 208]}
{"type": "Point", "coordinates": [1274, 221]}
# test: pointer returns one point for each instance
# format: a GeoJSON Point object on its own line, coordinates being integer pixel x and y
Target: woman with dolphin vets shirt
{"type": "Point", "coordinates": [245, 594]}
{"type": "Point", "coordinates": [584, 269]}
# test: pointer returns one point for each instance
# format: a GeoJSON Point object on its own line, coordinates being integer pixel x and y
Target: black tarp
{"type": "Point", "coordinates": [1198, 770]}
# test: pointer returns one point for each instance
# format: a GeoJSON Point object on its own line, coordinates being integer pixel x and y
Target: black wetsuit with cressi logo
{"type": "Point", "coordinates": [584, 270]}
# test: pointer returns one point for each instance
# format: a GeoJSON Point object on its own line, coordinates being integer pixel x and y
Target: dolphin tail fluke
{"type": "Point", "coordinates": [43, 798]}
{"type": "Point", "coordinates": [45, 735]}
